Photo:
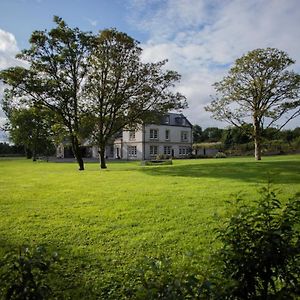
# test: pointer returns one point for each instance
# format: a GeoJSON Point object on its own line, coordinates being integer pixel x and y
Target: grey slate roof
{"type": "Point", "coordinates": [174, 119]}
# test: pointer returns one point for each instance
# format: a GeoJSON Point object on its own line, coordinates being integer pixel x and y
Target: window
{"type": "Point", "coordinates": [178, 121]}
{"type": "Point", "coordinates": [131, 151]}
{"type": "Point", "coordinates": [131, 135]}
{"type": "Point", "coordinates": [183, 151]}
{"type": "Point", "coordinates": [166, 119]}
{"type": "Point", "coordinates": [184, 136]}
{"type": "Point", "coordinates": [167, 135]}
{"type": "Point", "coordinates": [167, 150]}
{"type": "Point", "coordinates": [153, 134]}
{"type": "Point", "coordinates": [153, 150]}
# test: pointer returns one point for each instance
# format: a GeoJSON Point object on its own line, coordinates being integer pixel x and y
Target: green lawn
{"type": "Point", "coordinates": [104, 222]}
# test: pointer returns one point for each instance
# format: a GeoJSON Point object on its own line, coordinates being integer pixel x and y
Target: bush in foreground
{"type": "Point", "coordinates": [24, 275]}
{"type": "Point", "coordinates": [260, 257]}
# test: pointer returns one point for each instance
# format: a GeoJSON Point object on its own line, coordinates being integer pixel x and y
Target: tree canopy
{"type": "Point", "coordinates": [95, 84]}
{"type": "Point", "coordinates": [258, 88]}
{"type": "Point", "coordinates": [57, 65]}
{"type": "Point", "coordinates": [122, 90]}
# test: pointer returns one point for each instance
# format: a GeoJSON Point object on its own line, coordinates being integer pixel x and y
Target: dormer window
{"type": "Point", "coordinates": [178, 121]}
{"type": "Point", "coordinates": [166, 119]}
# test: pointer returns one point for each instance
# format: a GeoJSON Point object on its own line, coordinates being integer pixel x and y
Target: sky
{"type": "Point", "coordinates": [200, 38]}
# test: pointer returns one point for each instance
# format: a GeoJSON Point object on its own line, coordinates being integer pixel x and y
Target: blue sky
{"type": "Point", "coordinates": [200, 38]}
{"type": "Point", "coordinates": [21, 17]}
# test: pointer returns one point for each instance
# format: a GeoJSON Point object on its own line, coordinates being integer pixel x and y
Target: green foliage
{"type": "Point", "coordinates": [163, 156]}
{"type": "Point", "coordinates": [220, 155]}
{"type": "Point", "coordinates": [122, 90]}
{"type": "Point", "coordinates": [237, 141]}
{"type": "Point", "coordinates": [260, 86]}
{"type": "Point", "coordinates": [158, 279]}
{"type": "Point", "coordinates": [6, 150]}
{"type": "Point", "coordinates": [261, 249]}
{"type": "Point", "coordinates": [236, 136]}
{"type": "Point", "coordinates": [31, 128]}
{"type": "Point", "coordinates": [95, 85]}
{"type": "Point", "coordinates": [25, 275]}
{"type": "Point", "coordinates": [57, 62]}
{"type": "Point", "coordinates": [158, 162]}
{"type": "Point", "coordinates": [197, 134]}
{"type": "Point", "coordinates": [212, 134]}
{"type": "Point", "coordinates": [208, 145]}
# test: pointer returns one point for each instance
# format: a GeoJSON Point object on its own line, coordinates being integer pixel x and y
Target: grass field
{"type": "Point", "coordinates": [102, 223]}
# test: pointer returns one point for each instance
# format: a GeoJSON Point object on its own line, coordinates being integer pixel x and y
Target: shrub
{"type": "Point", "coordinates": [163, 156]}
{"type": "Point", "coordinates": [220, 155]}
{"type": "Point", "coordinates": [156, 278]}
{"type": "Point", "coordinates": [261, 249]}
{"type": "Point", "coordinates": [25, 275]}
{"type": "Point", "coordinates": [157, 162]}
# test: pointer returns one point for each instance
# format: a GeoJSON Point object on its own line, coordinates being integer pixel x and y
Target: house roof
{"type": "Point", "coordinates": [175, 119]}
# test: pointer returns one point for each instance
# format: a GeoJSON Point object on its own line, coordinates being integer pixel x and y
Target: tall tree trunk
{"type": "Point", "coordinates": [102, 156]}
{"type": "Point", "coordinates": [257, 138]}
{"type": "Point", "coordinates": [34, 154]}
{"type": "Point", "coordinates": [28, 153]}
{"type": "Point", "coordinates": [34, 150]}
{"type": "Point", "coordinates": [77, 152]}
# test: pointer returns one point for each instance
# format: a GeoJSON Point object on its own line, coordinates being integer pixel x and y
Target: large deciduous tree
{"type": "Point", "coordinates": [261, 88]}
{"type": "Point", "coordinates": [57, 65]}
{"type": "Point", "coordinates": [122, 90]}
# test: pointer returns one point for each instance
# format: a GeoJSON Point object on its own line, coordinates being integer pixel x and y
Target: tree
{"type": "Point", "coordinates": [122, 90]}
{"type": "Point", "coordinates": [259, 87]}
{"type": "Point", "coordinates": [31, 128]}
{"type": "Point", "coordinates": [57, 68]}
{"type": "Point", "coordinates": [236, 135]}
{"type": "Point", "coordinates": [212, 134]}
{"type": "Point", "coordinates": [197, 134]}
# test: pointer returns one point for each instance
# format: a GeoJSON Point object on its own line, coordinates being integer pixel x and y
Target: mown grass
{"type": "Point", "coordinates": [105, 222]}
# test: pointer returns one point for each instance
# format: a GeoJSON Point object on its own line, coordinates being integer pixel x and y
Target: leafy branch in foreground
{"type": "Point", "coordinates": [261, 249]}
{"type": "Point", "coordinates": [25, 275]}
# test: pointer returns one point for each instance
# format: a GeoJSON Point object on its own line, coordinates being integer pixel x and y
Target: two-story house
{"type": "Point", "coordinates": [172, 137]}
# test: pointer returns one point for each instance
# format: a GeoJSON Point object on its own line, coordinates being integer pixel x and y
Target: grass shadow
{"type": "Point", "coordinates": [285, 172]}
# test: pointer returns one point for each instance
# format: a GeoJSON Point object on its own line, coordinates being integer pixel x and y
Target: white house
{"type": "Point", "coordinates": [172, 137]}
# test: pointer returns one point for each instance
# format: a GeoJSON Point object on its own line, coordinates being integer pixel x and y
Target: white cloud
{"type": "Point", "coordinates": [8, 42]}
{"type": "Point", "coordinates": [8, 50]}
{"type": "Point", "coordinates": [202, 38]}
{"type": "Point", "coordinates": [93, 23]}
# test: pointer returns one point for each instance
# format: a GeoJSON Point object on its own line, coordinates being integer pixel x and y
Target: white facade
{"type": "Point", "coordinates": [171, 138]}
{"type": "Point", "coordinates": [166, 139]}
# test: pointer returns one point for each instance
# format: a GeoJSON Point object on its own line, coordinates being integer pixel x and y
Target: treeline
{"type": "Point", "coordinates": [11, 150]}
{"type": "Point", "coordinates": [239, 141]}
{"type": "Point", "coordinates": [33, 130]}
